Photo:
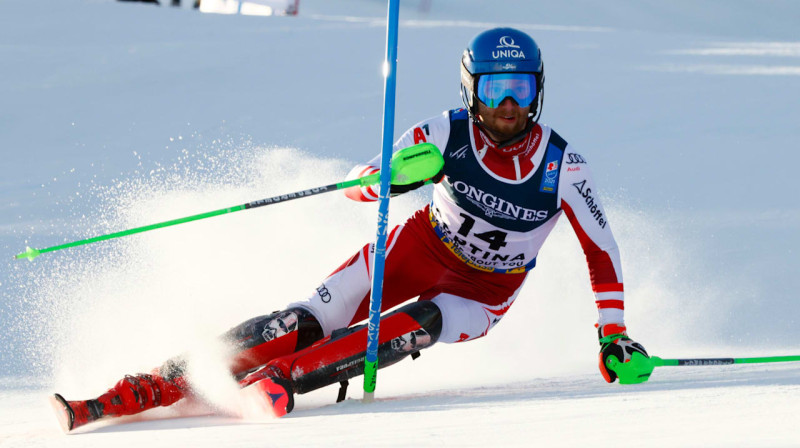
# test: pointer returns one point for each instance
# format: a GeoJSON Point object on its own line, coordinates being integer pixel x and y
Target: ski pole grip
{"type": "Point", "coordinates": [636, 370]}
{"type": "Point", "coordinates": [418, 163]}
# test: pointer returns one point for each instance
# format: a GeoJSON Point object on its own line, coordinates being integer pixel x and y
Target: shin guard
{"type": "Point", "coordinates": [340, 356]}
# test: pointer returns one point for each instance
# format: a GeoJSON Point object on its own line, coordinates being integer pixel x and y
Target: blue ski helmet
{"type": "Point", "coordinates": [500, 50]}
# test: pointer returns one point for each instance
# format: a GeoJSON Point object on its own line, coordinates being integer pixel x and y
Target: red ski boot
{"type": "Point", "coordinates": [131, 395]}
{"type": "Point", "coordinates": [72, 414]}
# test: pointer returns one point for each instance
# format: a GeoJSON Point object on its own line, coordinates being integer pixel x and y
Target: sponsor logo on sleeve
{"type": "Point", "coordinates": [573, 158]}
{"type": "Point", "coordinates": [324, 294]}
{"type": "Point", "coordinates": [591, 203]}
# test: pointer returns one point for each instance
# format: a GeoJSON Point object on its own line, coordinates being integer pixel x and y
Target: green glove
{"type": "Point", "coordinates": [416, 166]}
{"type": "Point", "coordinates": [621, 357]}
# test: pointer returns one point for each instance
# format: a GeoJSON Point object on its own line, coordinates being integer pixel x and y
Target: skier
{"type": "Point", "coordinates": [506, 180]}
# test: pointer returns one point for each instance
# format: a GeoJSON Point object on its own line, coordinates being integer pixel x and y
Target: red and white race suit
{"type": "Point", "coordinates": [470, 249]}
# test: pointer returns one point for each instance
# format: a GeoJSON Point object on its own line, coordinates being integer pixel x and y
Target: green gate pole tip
{"type": "Point", "coordinates": [30, 253]}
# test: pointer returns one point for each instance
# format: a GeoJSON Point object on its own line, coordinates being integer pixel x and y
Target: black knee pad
{"type": "Point", "coordinates": [427, 314]}
{"type": "Point", "coordinates": [259, 330]}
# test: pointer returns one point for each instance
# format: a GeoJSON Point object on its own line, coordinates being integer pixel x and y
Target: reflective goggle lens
{"type": "Point", "coordinates": [495, 87]}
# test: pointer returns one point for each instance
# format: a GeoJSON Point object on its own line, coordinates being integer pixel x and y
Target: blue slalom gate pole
{"type": "Point", "coordinates": [389, 73]}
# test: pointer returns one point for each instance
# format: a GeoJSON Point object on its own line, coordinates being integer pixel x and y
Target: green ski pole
{"type": "Point", "coordinates": [639, 368]}
{"type": "Point", "coordinates": [659, 362]}
{"type": "Point", "coordinates": [418, 163]}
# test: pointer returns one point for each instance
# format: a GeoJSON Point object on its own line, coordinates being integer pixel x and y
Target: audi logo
{"type": "Point", "coordinates": [573, 158]}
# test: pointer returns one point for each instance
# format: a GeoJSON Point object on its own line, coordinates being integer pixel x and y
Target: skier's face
{"type": "Point", "coordinates": [504, 121]}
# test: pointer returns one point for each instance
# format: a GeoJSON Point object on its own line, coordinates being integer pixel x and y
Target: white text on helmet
{"type": "Point", "coordinates": [497, 54]}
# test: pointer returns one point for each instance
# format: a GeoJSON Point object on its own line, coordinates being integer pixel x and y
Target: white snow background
{"type": "Point", "coordinates": [115, 115]}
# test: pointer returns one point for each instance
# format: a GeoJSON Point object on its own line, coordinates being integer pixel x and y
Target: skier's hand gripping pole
{"type": "Point", "coordinates": [621, 357]}
{"type": "Point", "coordinates": [418, 164]}
{"type": "Point", "coordinates": [414, 167]}
{"type": "Point", "coordinates": [636, 370]}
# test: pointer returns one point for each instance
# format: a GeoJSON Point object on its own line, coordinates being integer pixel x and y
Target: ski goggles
{"type": "Point", "coordinates": [495, 87]}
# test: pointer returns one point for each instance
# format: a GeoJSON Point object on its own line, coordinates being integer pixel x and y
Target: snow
{"type": "Point", "coordinates": [116, 115]}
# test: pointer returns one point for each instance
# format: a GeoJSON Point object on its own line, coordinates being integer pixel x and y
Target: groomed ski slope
{"type": "Point", "coordinates": [117, 115]}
